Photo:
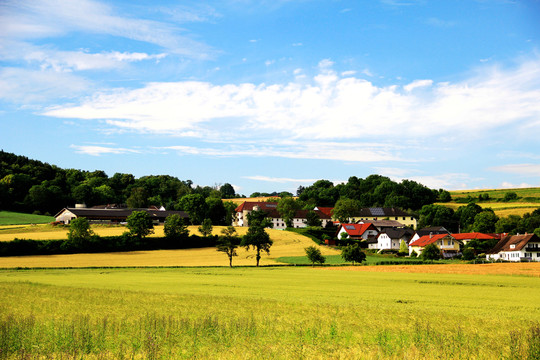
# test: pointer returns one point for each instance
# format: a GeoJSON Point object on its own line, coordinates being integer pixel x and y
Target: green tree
{"type": "Point", "coordinates": [468, 254]}
{"type": "Point", "coordinates": [509, 196]}
{"type": "Point", "coordinates": [215, 211]}
{"type": "Point", "coordinates": [507, 224]}
{"type": "Point", "coordinates": [227, 191]}
{"type": "Point", "coordinates": [140, 224]}
{"type": "Point", "coordinates": [444, 196]}
{"type": "Point", "coordinates": [256, 237]}
{"type": "Point", "coordinates": [431, 252]}
{"type": "Point", "coordinates": [485, 221]}
{"type": "Point", "coordinates": [195, 206]}
{"type": "Point", "coordinates": [228, 242]}
{"type": "Point", "coordinates": [314, 255]}
{"type": "Point", "coordinates": [229, 212]}
{"type": "Point", "coordinates": [466, 214]}
{"type": "Point", "coordinates": [353, 253]}
{"type": "Point", "coordinates": [138, 198]}
{"type": "Point", "coordinates": [206, 227]}
{"type": "Point", "coordinates": [80, 233]}
{"type": "Point", "coordinates": [345, 208]}
{"type": "Point", "coordinates": [287, 207]}
{"type": "Point", "coordinates": [403, 248]}
{"type": "Point", "coordinates": [313, 219]}
{"type": "Point", "coordinates": [175, 228]}
{"type": "Point", "coordinates": [437, 215]}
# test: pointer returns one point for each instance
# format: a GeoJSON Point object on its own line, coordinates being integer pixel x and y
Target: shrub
{"type": "Point", "coordinates": [314, 255]}
{"type": "Point", "coordinates": [431, 252]}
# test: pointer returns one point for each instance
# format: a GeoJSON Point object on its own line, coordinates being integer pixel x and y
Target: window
{"type": "Point", "coordinates": [404, 218]}
{"type": "Point", "coordinates": [513, 246]}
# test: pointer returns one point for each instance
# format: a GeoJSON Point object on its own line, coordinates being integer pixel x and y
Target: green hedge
{"type": "Point", "coordinates": [97, 244]}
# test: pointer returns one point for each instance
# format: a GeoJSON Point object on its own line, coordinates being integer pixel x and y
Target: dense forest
{"type": "Point", "coordinates": [33, 186]}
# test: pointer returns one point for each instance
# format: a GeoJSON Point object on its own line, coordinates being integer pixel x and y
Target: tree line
{"type": "Point", "coordinates": [33, 186]}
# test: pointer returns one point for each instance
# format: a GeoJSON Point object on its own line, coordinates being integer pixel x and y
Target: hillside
{"type": "Point", "coordinates": [502, 201]}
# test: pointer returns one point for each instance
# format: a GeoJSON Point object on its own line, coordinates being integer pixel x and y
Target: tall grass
{"type": "Point", "coordinates": [265, 313]}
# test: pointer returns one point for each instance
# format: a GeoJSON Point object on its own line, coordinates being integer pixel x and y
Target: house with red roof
{"type": "Point", "coordinates": [447, 244]}
{"type": "Point", "coordinates": [357, 231]}
{"type": "Point", "coordinates": [516, 248]}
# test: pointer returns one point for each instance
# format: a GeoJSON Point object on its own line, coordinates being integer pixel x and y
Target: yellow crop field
{"type": "Point", "coordinates": [526, 269]}
{"type": "Point", "coordinates": [501, 209]}
{"type": "Point", "coordinates": [285, 244]}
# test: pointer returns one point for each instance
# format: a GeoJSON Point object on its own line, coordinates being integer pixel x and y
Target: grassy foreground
{"type": "Point", "coordinates": [281, 313]}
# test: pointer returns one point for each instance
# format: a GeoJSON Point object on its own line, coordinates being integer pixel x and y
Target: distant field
{"type": "Point", "coordinates": [285, 244]}
{"type": "Point", "coordinates": [14, 218]}
{"type": "Point", "coordinates": [501, 209]}
{"type": "Point", "coordinates": [238, 201]}
{"type": "Point", "coordinates": [497, 193]}
{"type": "Point", "coordinates": [338, 260]}
{"type": "Point", "coordinates": [267, 313]}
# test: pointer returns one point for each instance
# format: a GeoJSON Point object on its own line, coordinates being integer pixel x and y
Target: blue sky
{"type": "Point", "coordinates": [270, 95]}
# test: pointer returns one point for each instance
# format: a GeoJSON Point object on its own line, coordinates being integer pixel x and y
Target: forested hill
{"type": "Point", "coordinates": [32, 186]}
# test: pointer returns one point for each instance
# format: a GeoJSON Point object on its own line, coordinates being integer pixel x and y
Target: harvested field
{"type": "Point", "coordinates": [528, 269]}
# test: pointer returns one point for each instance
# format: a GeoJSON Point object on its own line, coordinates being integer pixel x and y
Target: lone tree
{"type": "Point", "coordinates": [431, 252]}
{"type": "Point", "coordinates": [79, 232]}
{"type": "Point", "coordinates": [175, 228]}
{"type": "Point", "coordinates": [140, 224]}
{"type": "Point", "coordinates": [256, 237]}
{"type": "Point", "coordinates": [206, 227]}
{"type": "Point", "coordinates": [353, 253]}
{"type": "Point", "coordinates": [403, 248]}
{"type": "Point", "coordinates": [314, 255]}
{"type": "Point", "coordinates": [228, 242]}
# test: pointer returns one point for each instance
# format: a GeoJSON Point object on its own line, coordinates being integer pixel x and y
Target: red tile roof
{"type": "Point", "coordinates": [428, 239]}
{"type": "Point", "coordinates": [325, 210]}
{"type": "Point", "coordinates": [473, 235]}
{"type": "Point", "coordinates": [357, 229]}
{"type": "Point", "coordinates": [249, 205]}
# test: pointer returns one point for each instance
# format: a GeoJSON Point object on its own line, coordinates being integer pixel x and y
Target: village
{"type": "Point", "coordinates": [385, 230]}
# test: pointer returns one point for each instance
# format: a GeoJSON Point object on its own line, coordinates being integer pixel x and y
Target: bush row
{"type": "Point", "coordinates": [98, 244]}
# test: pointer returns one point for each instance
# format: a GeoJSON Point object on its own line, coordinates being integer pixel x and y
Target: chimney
{"type": "Point", "coordinates": [430, 235]}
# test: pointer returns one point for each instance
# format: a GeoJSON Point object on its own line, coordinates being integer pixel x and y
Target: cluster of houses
{"type": "Point", "coordinates": [380, 228]}
{"type": "Point", "coordinates": [387, 228]}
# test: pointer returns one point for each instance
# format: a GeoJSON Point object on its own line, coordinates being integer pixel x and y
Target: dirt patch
{"type": "Point", "coordinates": [529, 269]}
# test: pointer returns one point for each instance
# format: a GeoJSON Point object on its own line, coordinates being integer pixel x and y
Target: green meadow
{"type": "Point", "coordinates": [15, 218]}
{"type": "Point", "coordinates": [266, 313]}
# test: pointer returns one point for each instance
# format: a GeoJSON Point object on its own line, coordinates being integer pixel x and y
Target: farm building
{"type": "Point", "coordinates": [111, 215]}
{"type": "Point", "coordinates": [299, 220]}
{"type": "Point", "coordinates": [381, 213]}
{"type": "Point", "coordinates": [447, 244]}
{"type": "Point", "coordinates": [516, 248]}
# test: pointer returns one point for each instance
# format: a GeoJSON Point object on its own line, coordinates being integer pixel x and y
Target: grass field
{"type": "Point", "coordinates": [14, 218]}
{"type": "Point", "coordinates": [498, 193]}
{"type": "Point", "coordinates": [338, 260]}
{"type": "Point", "coordinates": [267, 313]}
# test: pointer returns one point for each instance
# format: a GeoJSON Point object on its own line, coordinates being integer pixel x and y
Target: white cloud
{"type": "Point", "coordinates": [508, 185]}
{"type": "Point", "coordinates": [18, 19]}
{"type": "Point", "coordinates": [29, 86]}
{"type": "Point", "coordinates": [295, 150]}
{"type": "Point", "coordinates": [329, 108]}
{"type": "Point", "coordinates": [96, 150]}
{"type": "Point", "coordinates": [418, 84]}
{"type": "Point", "coordinates": [519, 169]}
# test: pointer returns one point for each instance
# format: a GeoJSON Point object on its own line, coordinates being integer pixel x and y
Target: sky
{"type": "Point", "coordinates": [270, 95]}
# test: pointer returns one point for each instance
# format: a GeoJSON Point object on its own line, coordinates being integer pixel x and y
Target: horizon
{"type": "Point", "coordinates": [272, 96]}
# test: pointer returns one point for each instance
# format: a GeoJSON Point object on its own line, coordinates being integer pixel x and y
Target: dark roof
{"type": "Point", "coordinates": [382, 224]}
{"type": "Point", "coordinates": [519, 242]}
{"type": "Point", "coordinates": [271, 210]}
{"type": "Point", "coordinates": [118, 214]}
{"type": "Point", "coordinates": [399, 233]}
{"type": "Point", "coordinates": [380, 212]}
{"type": "Point", "coordinates": [432, 230]}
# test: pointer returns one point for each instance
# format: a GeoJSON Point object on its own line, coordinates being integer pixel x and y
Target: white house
{"type": "Point", "coordinates": [391, 238]}
{"type": "Point", "coordinates": [516, 248]}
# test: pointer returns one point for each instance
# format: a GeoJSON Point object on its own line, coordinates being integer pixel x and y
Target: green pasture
{"type": "Point", "coordinates": [370, 260]}
{"type": "Point", "coordinates": [266, 313]}
{"type": "Point", "coordinates": [14, 218]}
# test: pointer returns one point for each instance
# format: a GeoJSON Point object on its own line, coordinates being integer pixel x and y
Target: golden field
{"type": "Point", "coordinates": [520, 269]}
{"type": "Point", "coordinates": [285, 244]}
